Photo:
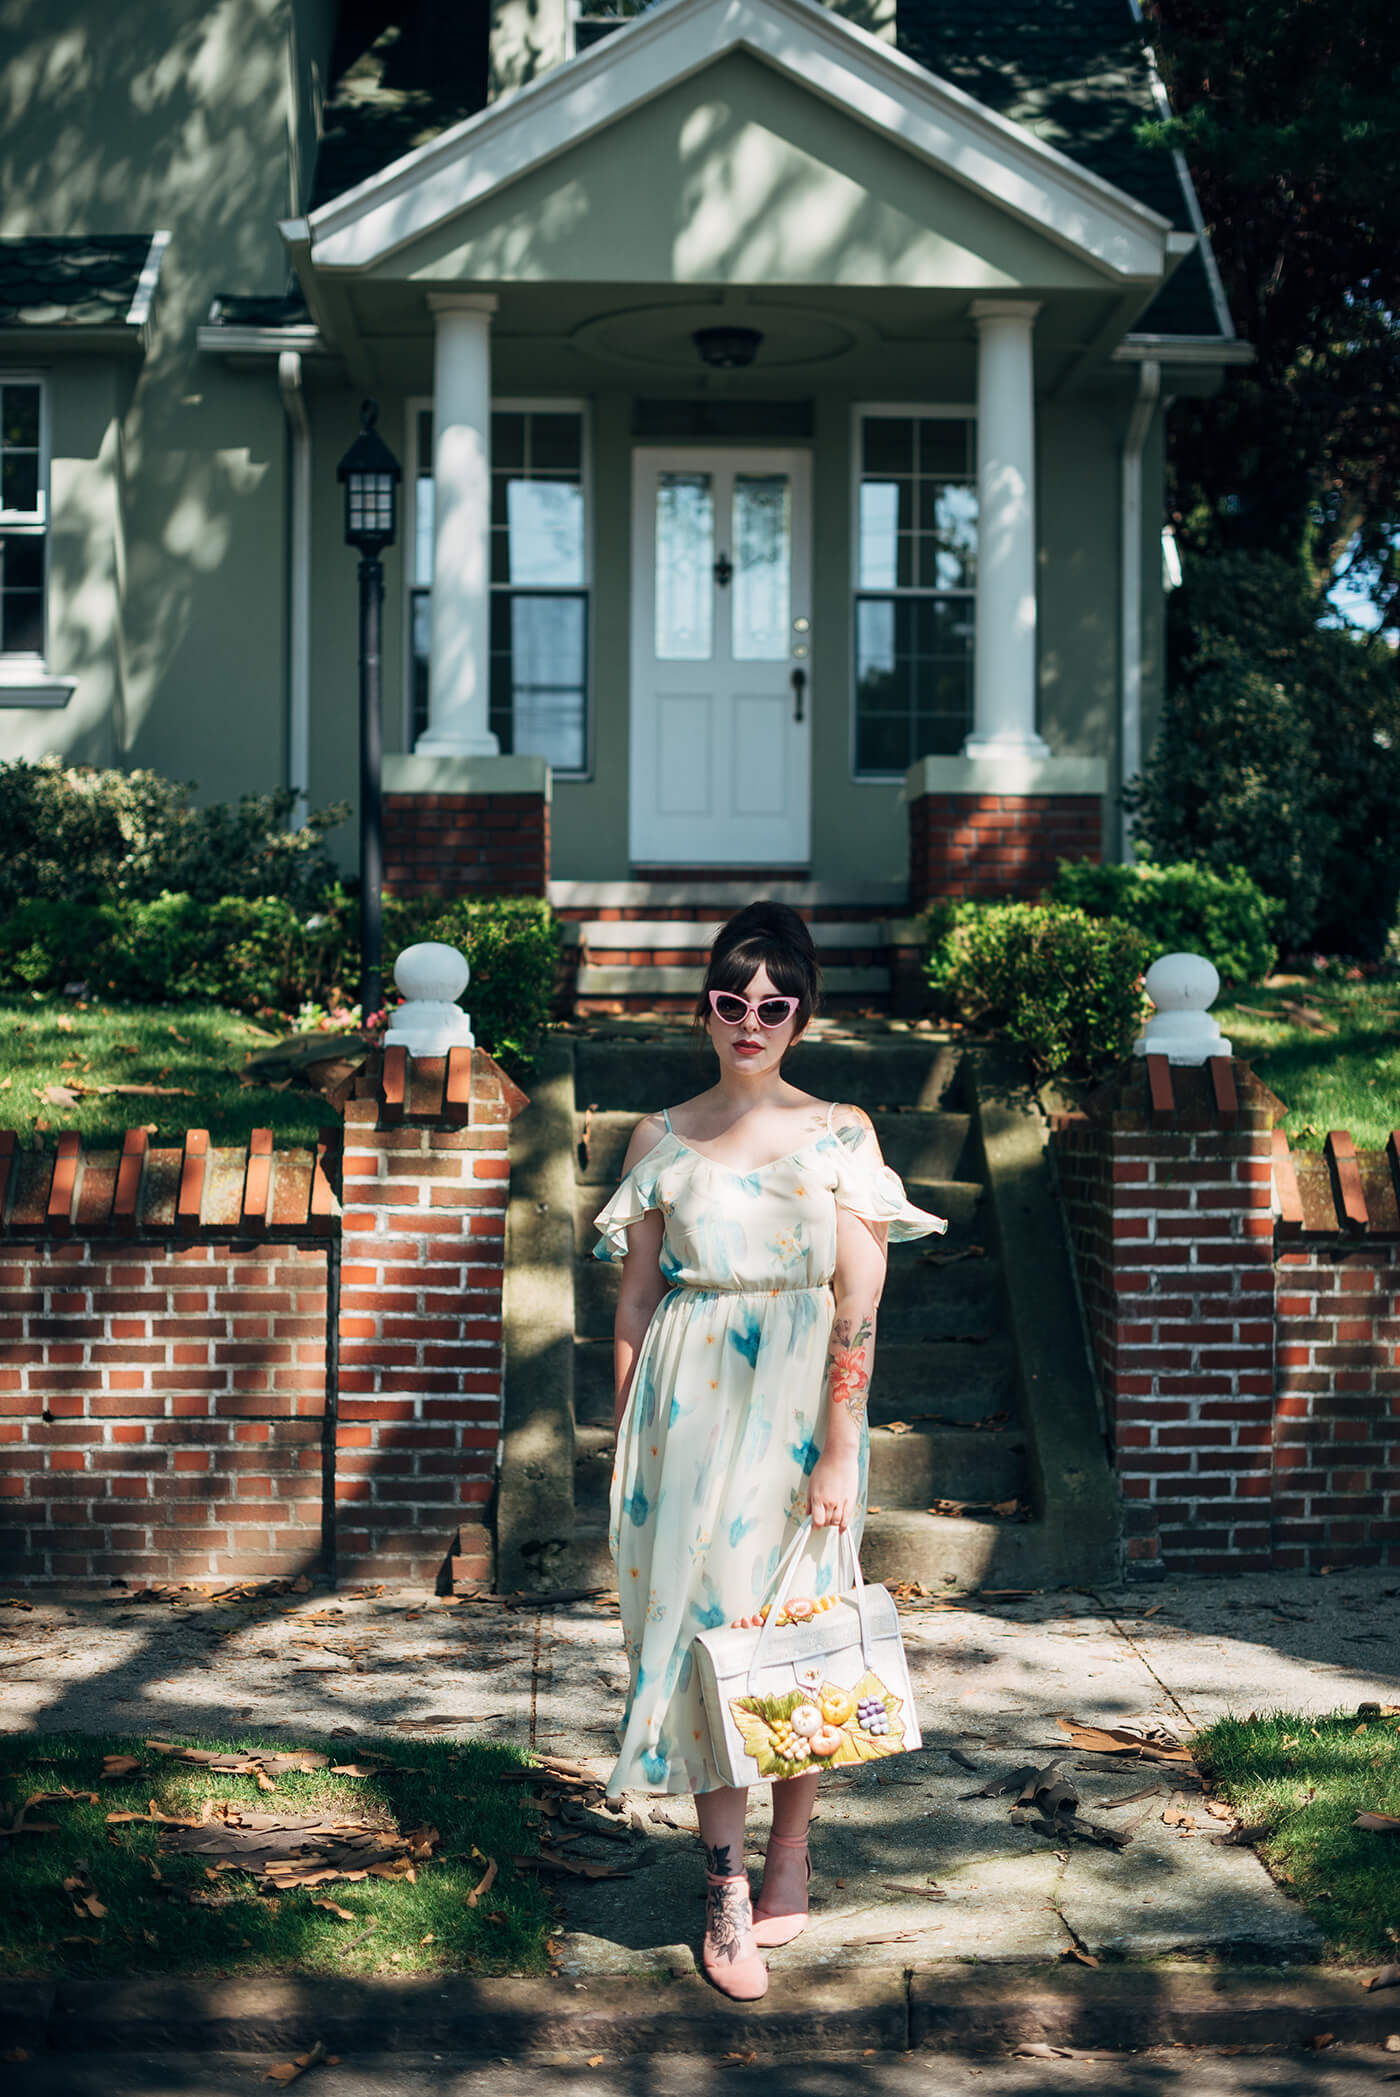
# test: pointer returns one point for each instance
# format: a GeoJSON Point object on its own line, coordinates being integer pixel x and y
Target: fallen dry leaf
{"type": "Point", "coordinates": [1153, 1743]}
{"type": "Point", "coordinates": [60, 1096]}
{"type": "Point", "coordinates": [595, 2060]}
{"type": "Point", "coordinates": [898, 1427]}
{"type": "Point", "coordinates": [1388, 1977]}
{"type": "Point", "coordinates": [82, 1894]}
{"type": "Point", "coordinates": [488, 1878]}
{"type": "Point", "coordinates": [287, 2071]}
{"type": "Point", "coordinates": [120, 1765]}
{"type": "Point", "coordinates": [1378, 1823]}
{"type": "Point", "coordinates": [1085, 1958]}
{"type": "Point", "coordinates": [344, 1914]}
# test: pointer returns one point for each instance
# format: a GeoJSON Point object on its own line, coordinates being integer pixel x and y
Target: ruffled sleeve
{"type": "Point", "coordinates": [868, 1187]}
{"type": "Point", "coordinates": [631, 1202]}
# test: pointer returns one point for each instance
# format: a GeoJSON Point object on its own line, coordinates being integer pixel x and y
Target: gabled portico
{"type": "Point", "coordinates": [888, 240]}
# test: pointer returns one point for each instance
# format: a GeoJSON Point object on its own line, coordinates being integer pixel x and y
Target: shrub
{"type": "Point", "coordinates": [1184, 909]}
{"type": "Point", "coordinates": [77, 834]}
{"type": "Point", "coordinates": [1065, 987]}
{"type": "Point", "coordinates": [512, 944]}
{"type": "Point", "coordinates": [260, 954]}
{"type": "Point", "coordinates": [1279, 752]}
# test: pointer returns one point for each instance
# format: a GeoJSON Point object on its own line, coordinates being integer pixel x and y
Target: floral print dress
{"type": "Point", "coordinates": [724, 1420]}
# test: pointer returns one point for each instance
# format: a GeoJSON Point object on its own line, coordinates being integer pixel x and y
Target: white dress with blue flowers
{"type": "Point", "coordinates": [725, 1417]}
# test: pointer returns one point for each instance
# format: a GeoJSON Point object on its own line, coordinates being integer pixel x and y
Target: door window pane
{"type": "Point", "coordinates": [762, 533]}
{"type": "Point", "coordinates": [685, 567]}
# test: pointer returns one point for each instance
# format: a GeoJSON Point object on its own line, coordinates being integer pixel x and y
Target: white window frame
{"type": "Point", "coordinates": [867, 411]}
{"type": "Point", "coordinates": [26, 680]}
{"type": "Point", "coordinates": [511, 404]}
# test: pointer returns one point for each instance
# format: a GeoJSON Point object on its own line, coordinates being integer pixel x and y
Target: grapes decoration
{"type": "Point", "coordinates": [871, 1715]}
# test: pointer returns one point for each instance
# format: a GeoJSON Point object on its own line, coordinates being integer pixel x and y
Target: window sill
{"type": "Point", "coordinates": [36, 687]}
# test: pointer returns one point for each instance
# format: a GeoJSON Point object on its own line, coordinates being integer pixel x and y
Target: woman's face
{"type": "Point", "coordinates": [749, 1047]}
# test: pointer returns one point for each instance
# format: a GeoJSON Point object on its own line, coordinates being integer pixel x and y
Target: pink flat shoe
{"type": "Point", "coordinates": [769, 1929]}
{"type": "Point", "coordinates": [729, 1955]}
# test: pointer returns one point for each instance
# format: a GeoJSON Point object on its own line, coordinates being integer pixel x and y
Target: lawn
{"type": "Point", "coordinates": [1301, 1781]}
{"type": "Point", "coordinates": [1349, 1079]}
{"type": "Point", "coordinates": [131, 1906]}
{"type": "Point", "coordinates": [197, 1051]}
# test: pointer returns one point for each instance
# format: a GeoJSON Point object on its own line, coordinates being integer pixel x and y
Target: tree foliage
{"type": "Point", "coordinates": [1279, 752]}
{"type": "Point", "coordinates": [1288, 114]}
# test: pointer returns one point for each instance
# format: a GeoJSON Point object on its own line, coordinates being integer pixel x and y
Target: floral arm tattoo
{"type": "Point", "coordinates": [848, 1363]}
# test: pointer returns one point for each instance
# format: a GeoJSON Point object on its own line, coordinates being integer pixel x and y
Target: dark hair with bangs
{"type": "Point", "coordinates": [764, 935]}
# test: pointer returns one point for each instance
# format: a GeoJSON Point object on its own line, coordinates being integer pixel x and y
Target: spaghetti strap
{"type": "Point", "coordinates": [666, 1117]}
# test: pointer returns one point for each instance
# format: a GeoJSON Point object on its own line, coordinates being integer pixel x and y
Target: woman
{"type": "Point", "coordinates": [751, 1224]}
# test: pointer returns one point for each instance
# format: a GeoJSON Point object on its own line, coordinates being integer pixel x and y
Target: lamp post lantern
{"type": "Point", "coordinates": [370, 474]}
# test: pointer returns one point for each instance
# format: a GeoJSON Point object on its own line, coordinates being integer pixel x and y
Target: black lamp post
{"type": "Point", "coordinates": [371, 476]}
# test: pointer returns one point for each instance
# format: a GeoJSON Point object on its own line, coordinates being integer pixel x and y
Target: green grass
{"type": "Point", "coordinates": [148, 1928]}
{"type": "Point", "coordinates": [199, 1047]}
{"type": "Point", "coordinates": [1305, 1780]}
{"type": "Point", "coordinates": [1347, 1080]}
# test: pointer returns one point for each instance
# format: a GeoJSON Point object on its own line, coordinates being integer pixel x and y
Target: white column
{"type": "Point", "coordinates": [459, 671]}
{"type": "Point", "coordinates": [1004, 667]}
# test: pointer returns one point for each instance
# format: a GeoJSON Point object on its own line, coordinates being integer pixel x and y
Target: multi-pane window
{"type": "Point", "coordinates": [916, 553]}
{"type": "Point", "coordinates": [539, 584]}
{"type": "Point", "coordinates": [22, 519]}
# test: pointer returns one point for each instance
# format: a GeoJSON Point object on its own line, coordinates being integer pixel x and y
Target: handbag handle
{"type": "Point", "coordinates": [784, 1577]}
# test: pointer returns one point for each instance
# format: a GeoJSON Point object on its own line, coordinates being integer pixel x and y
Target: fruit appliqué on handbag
{"type": "Point", "coordinates": [829, 1727]}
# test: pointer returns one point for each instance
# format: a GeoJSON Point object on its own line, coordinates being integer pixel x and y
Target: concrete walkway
{"type": "Point", "coordinates": [910, 1870]}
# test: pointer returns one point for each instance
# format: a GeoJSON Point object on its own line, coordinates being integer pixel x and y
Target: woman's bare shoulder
{"type": "Point", "coordinates": [644, 1138]}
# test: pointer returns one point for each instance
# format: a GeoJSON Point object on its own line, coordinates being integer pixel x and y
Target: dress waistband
{"type": "Point", "coordinates": [719, 1289]}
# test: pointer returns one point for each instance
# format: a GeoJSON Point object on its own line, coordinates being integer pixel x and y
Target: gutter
{"type": "Point", "coordinates": [289, 384]}
{"type": "Point", "coordinates": [1130, 569]}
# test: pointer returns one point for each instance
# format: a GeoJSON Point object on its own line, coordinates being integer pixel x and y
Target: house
{"type": "Point", "coordinates": [779, 390]}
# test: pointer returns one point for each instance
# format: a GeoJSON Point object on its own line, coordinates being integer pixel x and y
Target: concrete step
{"type": "Point", "coordinates": [927, 1145]}
{"type": "Point", "coordinates": [959, 1200]}
{"type": "Point", "coordinates": [714, 899]}
{"type": "Point", "coordinates": [879, 1073]}
{"type": "Point", "coordinates": [949, 1554]}
{"type": "Point", "coordinates": [923, 1383]}
{"type": "Point", "coordinates": [616, 937]}
{"type": "Point", "coordinates": [907, 1471]}
{"type": "Point", "coordinates": [921, 1301]}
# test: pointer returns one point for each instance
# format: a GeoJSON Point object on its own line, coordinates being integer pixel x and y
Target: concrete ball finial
{"type": "Point", "coordinates": [432, 972]}
{"type": "Point", "coordinates": [1182, 987]}
{"type": "Point", "coordinates": [432, 976]}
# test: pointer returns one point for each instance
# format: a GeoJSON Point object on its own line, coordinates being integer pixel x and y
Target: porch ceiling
{"type": "Point", "coordinates": [636, 337]}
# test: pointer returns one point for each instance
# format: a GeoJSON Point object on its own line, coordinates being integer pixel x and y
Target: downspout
{"type": "Point", "coordinates": [1130, 568]}
{"type": "Point", "coordinates": [289, 384]}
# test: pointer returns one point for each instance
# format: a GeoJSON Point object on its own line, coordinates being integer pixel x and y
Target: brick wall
{"type": "Point", "coordinates": [1250, 1383]}
{"type": "Point", "coordinates": [161, 1409]}
{"type": "Point", "coordinates": [450, 844]}
{"type": "Point", "coordinates": [187, 1361]}
{"type": "Point", "coordinates": [997, 844]}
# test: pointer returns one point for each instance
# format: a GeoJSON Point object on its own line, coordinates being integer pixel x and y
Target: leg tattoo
{"type": "Point", "coordinates": [717, 1861]}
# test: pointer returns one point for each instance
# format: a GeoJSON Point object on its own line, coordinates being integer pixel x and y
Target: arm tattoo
{"type": "Point", "coordinates": [848, 1363]}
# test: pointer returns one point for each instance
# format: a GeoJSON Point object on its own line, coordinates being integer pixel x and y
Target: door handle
{"type": "Point", "coordinates": [799, 687]}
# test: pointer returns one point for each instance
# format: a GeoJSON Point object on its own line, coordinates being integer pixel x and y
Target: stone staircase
{"type": "Point", "coordinates": [949, 1400]}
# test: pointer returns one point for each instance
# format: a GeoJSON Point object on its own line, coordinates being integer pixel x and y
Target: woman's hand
{"type": "Point", "coordinates": [833, 1490]}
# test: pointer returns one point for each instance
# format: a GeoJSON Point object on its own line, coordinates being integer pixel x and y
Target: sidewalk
{"type": "Point", "coordinates": [910, 1871]}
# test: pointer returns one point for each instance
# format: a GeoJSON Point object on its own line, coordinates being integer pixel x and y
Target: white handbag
{"type": "Point", "coordinates": [824, 1684]}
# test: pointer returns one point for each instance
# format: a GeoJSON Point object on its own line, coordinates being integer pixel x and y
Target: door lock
{"type": "Point", "coordinates": [799, 688]}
